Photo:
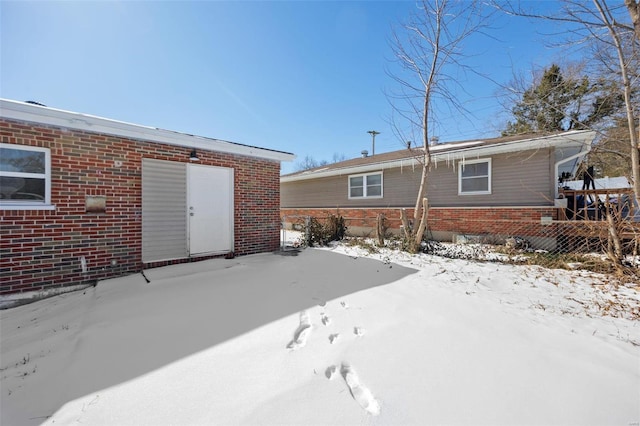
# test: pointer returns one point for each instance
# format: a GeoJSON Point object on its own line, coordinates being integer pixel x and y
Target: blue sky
{"type": "Point", "coordinates": [297, 76]}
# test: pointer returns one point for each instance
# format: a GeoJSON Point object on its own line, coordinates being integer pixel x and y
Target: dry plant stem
{"type": "Point", "coordinates": [423, 222]}
{"type": "Point", "coordinates": [615, 238]}
{"type": "Point", "coordinates": [405, 224]}
{"type": "Point", "coordinates": [380, 229]}
{"type": "Point", "coordinates": [614, 247]}
{"type": "Point", "coordinates": [409, 236]}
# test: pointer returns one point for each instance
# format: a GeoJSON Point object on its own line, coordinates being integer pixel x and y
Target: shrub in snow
{"type": "Point", "coordinates": [323, 232]}
{"type": "Point", "coordinates": [456, 251]}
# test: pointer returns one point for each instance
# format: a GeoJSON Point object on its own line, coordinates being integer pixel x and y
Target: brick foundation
{"type": "Point", "coordinates": [441, 220]}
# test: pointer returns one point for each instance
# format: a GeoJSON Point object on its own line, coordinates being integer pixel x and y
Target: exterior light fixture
{"type": "Point", "coordinates": [194, 155]}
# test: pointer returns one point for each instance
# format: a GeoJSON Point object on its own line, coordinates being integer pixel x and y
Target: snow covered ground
{"type": "Point", "coordinates": [328, 336]}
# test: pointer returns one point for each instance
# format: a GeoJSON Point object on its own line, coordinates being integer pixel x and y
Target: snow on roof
{"type": "Point", "coordinates": [448, 146]}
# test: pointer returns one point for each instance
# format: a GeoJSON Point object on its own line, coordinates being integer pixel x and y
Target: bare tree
{"type": "Point", "coordinates": [634, 10]}
{"type": "Point", "coordinates": [428, 50]}
{"type": "Point", "coordinates": [593, 101]}
{"type": "Point", "coordinates": [617, 38]}
{"type": "Point", "coordinates": [598, 21]}
{"type": "Point", "coordinates": [336, 158]}
{"type": "Point", "coordinates": [601, 24]}
{"type": "Point", "coordinates": [309, 162]}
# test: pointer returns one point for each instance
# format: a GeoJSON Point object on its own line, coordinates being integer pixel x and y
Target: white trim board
{"type": "Point", "coordinates": [23, 111]}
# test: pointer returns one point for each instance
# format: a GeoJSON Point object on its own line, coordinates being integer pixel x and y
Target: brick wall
{"type": "Point", "coordinates": [460, 220]}
{"type": "Point", "coordinates": [42, 248]}
{"type": "Point", "coordinates": [491, 220]}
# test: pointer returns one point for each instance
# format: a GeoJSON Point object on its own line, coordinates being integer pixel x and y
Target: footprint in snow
{"type": "Point", "coordinates": [344, 305]}
{"type": "Point", "coordinates": [325, 319]}
{"type": "Point", "coordinates": [302, 333]}
{"type": "Point", "coordinates": [358, 331]}
{"type": "Point", "coordinates": [330, 372]}
{"type": "Point", "coordinates": [360, 393]}
{"type": "Point", "coordinates": [333, 338]}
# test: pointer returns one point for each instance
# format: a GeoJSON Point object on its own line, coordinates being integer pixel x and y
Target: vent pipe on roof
{"type": "Point", "coordinates": [364, 153]}
{"type": "Point", "coordinates": [434, 141]}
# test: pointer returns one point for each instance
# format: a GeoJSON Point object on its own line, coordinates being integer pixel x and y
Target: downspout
{"type": "Point", "coordinates": [566, 160]}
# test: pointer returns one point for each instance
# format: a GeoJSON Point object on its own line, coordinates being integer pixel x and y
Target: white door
{"type": "Point", "coordinates": [210, 209]}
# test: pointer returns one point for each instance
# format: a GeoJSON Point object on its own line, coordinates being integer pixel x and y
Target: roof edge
{"type": "Point", "coordinates": [580, 137]}
{"type": "Point", "coordinates": [16, 110]}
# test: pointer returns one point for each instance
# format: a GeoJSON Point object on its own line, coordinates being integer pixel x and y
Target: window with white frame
{"type": "Point", "coordinates": [474, 177]}
{"type": "Point", "coordinates": [365, 186]}
{"type": "Point", "coordinates": [25, 176]}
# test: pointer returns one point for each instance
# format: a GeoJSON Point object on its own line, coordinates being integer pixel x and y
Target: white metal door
{"type": "Point", "coordinates": [210, 209]}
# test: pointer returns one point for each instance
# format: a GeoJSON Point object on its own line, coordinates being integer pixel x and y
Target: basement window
{"type": "Point", "coordinates": [365, 186]}
{"type": "Point", "coordinates": [474, 177]}
{"type": "Point", "coordinates": [25, 177]}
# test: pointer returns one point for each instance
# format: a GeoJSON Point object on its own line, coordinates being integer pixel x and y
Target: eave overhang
{"type": "Point", "coordinates": [27, 112]}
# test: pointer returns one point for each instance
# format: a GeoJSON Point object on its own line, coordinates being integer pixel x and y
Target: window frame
{"type": "Point", "coordinates": [30, 204]}
{"type": "Point", "coordinates": [365, 185]}
{"type": "Point", "coordinates": [489, 174]}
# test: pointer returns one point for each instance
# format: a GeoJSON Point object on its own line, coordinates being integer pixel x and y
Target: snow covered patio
{"type": "Point", "coordinates": [328, 336]}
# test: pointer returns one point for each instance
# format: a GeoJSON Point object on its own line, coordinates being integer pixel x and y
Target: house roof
{"type": "Point", "coordinates": [447, 152]}
{"type": "Point", "coordinates": [37, 113]}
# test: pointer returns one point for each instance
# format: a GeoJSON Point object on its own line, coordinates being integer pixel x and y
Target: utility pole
{"type": "Point", "coordinates": [373, 134]}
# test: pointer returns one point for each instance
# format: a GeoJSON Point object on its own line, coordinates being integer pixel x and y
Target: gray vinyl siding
{"type": "Point", "coordinates": [164, 210]}
{"type": "Point", "coordinates": [519, 179]}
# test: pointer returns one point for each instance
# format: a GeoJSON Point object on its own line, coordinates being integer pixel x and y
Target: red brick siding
{"type": "Point", "coordinates": [491, 220]}
{"type": "Point", "coordinates": [463, 220]}
{"type": "Point", "coordinates": [42, 248]}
